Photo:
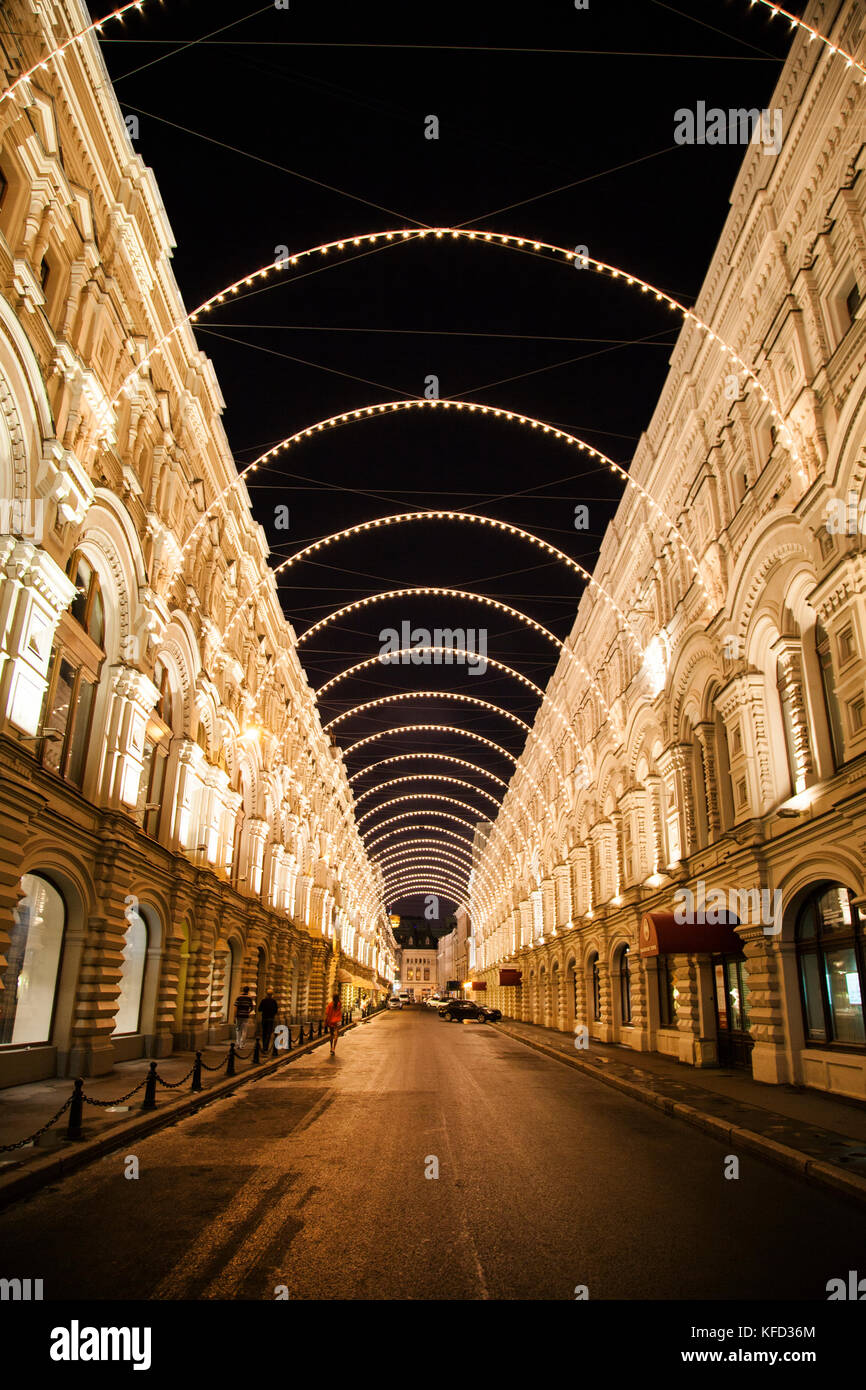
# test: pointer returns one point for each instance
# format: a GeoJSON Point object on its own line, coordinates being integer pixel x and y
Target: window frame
{"type": "Point", "coordinates": [854, 940]}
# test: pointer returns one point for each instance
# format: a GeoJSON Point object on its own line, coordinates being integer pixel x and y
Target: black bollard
{"type": "Point", "coordinates": [76, 1111]}
{"type": "Point", "coordinates": [257, 1057]}
{"type": "Point", "coordinates": [288, 1039]}
{"type": "Point", "coordinates": [320, 1027]}
{"type": "Point", "coordinates": [149, 1102]}
{"type": "Point", "coordinates": [196, 1073]}
{"type": "Point", "coordinates": [230, 1069]}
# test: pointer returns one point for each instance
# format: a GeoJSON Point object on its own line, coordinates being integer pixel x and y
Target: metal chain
{"type": "Point", "coordinates": [173, 1085]}
{"type": "Point", "coordinates": [119, 1100]}
{"type": "Point", "coordinates": [8, 1148]}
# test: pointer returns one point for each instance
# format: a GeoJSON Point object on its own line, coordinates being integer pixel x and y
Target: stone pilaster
{"type": "Point", "coordinates": [765, 1013]}
{"type": "Point", "coordinates": [706, 737]}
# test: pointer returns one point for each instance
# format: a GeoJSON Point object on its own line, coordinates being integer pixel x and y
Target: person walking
{"type": "Point", "coordinates": [268, 1010]}
{"type": "Point", "coordinates": [333, 1019]}
{"type": "Point", "coordinates": [245, 1006]}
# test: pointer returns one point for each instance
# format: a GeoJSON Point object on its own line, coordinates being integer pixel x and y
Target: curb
{"type": "Point", "coordinates": [817, 1171]}
{"type": "Point", "coordinates": [53, 1167]}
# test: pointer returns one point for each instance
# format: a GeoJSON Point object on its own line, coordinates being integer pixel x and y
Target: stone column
{"type": "Point", "coordinates": [657, 852]}
{"type": "Point", "coordinates": [790, 665]}
{"type": "Point", "coordinates": [548, 907]}
{"type": "Point", "coordinates": [706, 737]}
{"type": "Point", "coordinates": [34, 592]}
{"type": "Point", "coordinates": [562, 879]}
{"type": "Point", "coordinates": [91, 1052]}
{"type": "Point", "coordinates": [770, 1058]}
{"type": "Point", "coordinates": [133, 696]}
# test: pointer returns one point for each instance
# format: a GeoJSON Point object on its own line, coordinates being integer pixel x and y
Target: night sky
{"type": "Point", "coordinates": [270, 128]}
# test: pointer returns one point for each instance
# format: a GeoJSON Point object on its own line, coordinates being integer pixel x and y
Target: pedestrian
{"type": "Point", "coordinates": [268, 1010]}
{"type": "Point", "coordinates": [245, 1006]}
{"type": "Point", "coordinates": [333, 1019]}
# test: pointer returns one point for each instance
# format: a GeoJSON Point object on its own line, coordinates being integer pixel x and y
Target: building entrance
{"type": "Point", "coordinates": [731, 992]}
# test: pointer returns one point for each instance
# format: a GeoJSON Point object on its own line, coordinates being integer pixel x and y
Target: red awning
{"type": "Point", "coordinates": [662, 935]}
{"type": "Point", "coordinates": [479, 984]}
{"type": "Point", "coordinates": [511, 977]}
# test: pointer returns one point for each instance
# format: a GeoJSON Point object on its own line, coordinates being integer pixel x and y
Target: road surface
{"type": "Point", "coordinates": [312, 1184]}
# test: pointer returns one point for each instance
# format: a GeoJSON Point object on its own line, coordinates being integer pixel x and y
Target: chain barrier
{"type": "Point", "coordinates": [22, 1143]}
{"type": "Point", "coordinates": [106, 1104]}
{"type": "Point", "coordinates": [78, 1099]}
{"type": "Point", "coordinates": [173, 1085]}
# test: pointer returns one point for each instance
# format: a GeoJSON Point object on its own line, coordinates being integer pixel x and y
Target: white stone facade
{"type": "Point", "coordinates": [163, 768]}
{"type": "Point", "coordinates": [716, 732]}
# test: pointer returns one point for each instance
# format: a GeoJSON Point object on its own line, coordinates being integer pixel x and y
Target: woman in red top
{"type": "Point", "coordinates": [333, 1019]}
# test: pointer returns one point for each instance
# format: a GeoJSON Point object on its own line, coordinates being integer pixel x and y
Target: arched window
{"type": "Point", "coordinates": [596, 988]}
{"type": "Point", "coordinates": [75, 666]}
{"type": "Point", "coordinates": [624, 986]}
{"type": "Point", "coordinates": [33, 964]}
{"type": "Point", "coordinates": [831, 957]}
{"type": "Point", "coordinates": [831, 702]}
{"type": "Point", "coordinates": [132, 979]}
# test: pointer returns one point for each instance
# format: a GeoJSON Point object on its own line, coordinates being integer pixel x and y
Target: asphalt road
{"type": "Point", "coordinates": [314, 1179]}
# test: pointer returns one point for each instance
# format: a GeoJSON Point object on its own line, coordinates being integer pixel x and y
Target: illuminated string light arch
{"type": "Point", "coordinates": [420, 695]}
{"type": "Point", "coordinates": [59, 52]}
{"type": "Point", "coordinates": [433, 777]}
{"type": "Point", "coordinates": [455, 729]}
{"type": "Point", "coordinates": [427, 809]}
{"type": "Point", "coordinates": [439, 592]}
{"type": "Point", "coordinates": [797, 23]}
{"type": "Point", "coordinates": [399, 860]}
{"type": "Point", "coordinates": [398, 856]}
{"type": "Point", "coordinates": [438, 757]}
{"type": "Point", "coordinates": [543, 695]}
{"type": "Point", "coordinates": [510, 241]}
{"type": "Point", "coordinates": [428, 777]}
{"type": "Point", "coordinates": [402, 518]}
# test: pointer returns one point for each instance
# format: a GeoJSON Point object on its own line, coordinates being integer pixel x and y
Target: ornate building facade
{"type": "Point", "coordinates": [174, 822]}
{"type": "Point", "coordinates": [685, 867]}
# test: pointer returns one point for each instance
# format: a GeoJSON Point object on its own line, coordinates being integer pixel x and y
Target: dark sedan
{"type": "Point", "coordinates": [458, 1009]}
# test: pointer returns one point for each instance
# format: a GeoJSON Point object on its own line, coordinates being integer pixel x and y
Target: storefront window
{"type": "Point", "coordinates": [33, 963]}
{"type": "Point", "coordinates": [830, 955]}
{"type": "Point", "coordinates": [667, 993]}
{"type": "Point", "coordinates": [132, 979]}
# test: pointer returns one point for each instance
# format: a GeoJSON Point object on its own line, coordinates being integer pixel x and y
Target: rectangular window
{"type": "Point", "coordinates": [857, 713]}
{"type": "Point", "coordinates": [667, 1000]}
{"type": "Point", "coordinates": [847, 644]}
{"type": "Point", "coordinates": [58, 716]}
{"type": "Point", "coordinates": [78, 737]}
{"type": "Point", "coordinates": [852, 302]}
{"type": "Point", "coordinates": [742, 792]}
{"type": "Point", "coordinates": [810, 980]}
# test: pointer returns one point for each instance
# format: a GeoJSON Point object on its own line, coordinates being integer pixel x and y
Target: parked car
{"type": "Point", "coordinates": [395, 1003]}
{"type": "Point", "coordinates": [458, 1009]}
{"type": "Point", "coordinates": [404, 998]}
{"type": "Point", "coordinates": [493, 1015]}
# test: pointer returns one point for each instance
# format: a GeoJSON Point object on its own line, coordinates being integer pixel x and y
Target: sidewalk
{"type": "Point", "coordinates": [820, 1137]}
{"type": "Point", "coordinates": [26, 1109]}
